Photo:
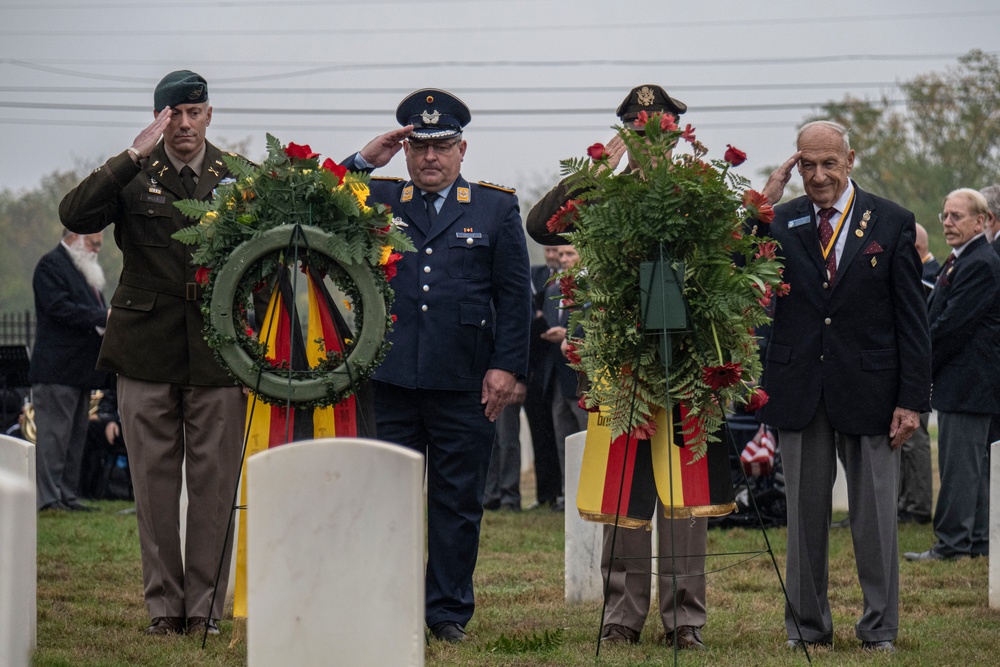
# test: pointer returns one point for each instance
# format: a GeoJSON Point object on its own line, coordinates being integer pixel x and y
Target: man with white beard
{"type": "Point", "coordinates": [71, 315]}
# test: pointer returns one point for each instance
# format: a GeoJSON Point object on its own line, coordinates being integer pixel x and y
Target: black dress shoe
{"type": "Point", "coordinates": [54, 506]}
{"type": "Point", "coordinates": [930, 554]}
{"type": "Point", "coordinates": [449, 631]}
{"type": "Point", "coordinates": [688, 637]}
{"type": "Point", "coordinates": [491, 505]}
{"type": "Point", "coordinates": [197, 625]}
{"type": "Point", "coordinates": [165, 625]}
{"type": "Point", "coordinates": [77, 506]}
{"type": "Point", "coordinates": [880, 647]}
{"type": "Point", "coordinates": [613, 633]}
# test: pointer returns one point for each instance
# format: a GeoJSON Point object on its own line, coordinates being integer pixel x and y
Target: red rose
{"type": "Point", "coordinates": [582, 403]}
{"type": "Point", "coordinates": [249, 332]}
{"type": "Point", "coordinates": [393, 318]}
{"type": "Point", "coordinates": [719, 377]}
{"type": "Point", "coordinates": [758, 399]}
{"type": "Point", "coordinates": [597, 152]}
{"type": "Point", "coordinates": [566, 286]}
{"type": "Point", "coordinates": [757, 205]}
{"type": "Point", "coordinates": [688, 134]}
{"type": "Point", "coordinates": [667, 123]}
{"type": "Point", "coordinates": [390, 266]}
{"type": "Point", "coordinates": [735, 156]}
{"type": "Point", "coordinates": [337, 169]}
{"type": "Point", "coordinates": [201, 275]}
{"type": "Point", "coordinates": [641, 120]}
{"type": "Point", "coordinates": [299, 152]}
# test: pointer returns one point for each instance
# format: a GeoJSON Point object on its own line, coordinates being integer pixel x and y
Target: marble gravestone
{"type": "Point", "coordinates": [584, 539]}
{"type": "Point", "coordinates": [18, 551]}
{"type": "Point", "coordinates": [335, 555]}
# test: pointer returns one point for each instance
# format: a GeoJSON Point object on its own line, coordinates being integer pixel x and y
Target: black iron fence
{"type": "Point", "coordinates": [17, 328]}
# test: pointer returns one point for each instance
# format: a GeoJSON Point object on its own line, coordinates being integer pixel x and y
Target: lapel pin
{"type": "Point", "coordinates": [407, 194]}
{"type": "Point", "coordinates": [163, 171]}
{"type": "Point", "coordinates": [874, 262]}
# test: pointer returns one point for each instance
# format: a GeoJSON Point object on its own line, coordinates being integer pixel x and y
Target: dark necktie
{"type": "Point", "coordinates": [431, 199]}
{"type": "Point", "coordinates": [825, 234]}
{"type": "Point", "coordinates": [942, 277]}
{"type": "Point", "coordinates": [187, 178]}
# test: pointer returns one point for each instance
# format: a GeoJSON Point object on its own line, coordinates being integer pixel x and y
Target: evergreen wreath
{"type": "Point", "coordinates": [351, 243]}
{"type": "Point", "coordinates": [695, 210]}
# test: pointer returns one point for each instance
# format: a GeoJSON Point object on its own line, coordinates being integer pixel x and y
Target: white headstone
{"type": "Point", "coordinates": [17, 457]}
{"type": "Point", "coordinates": [335, 555]}
{"type": "Point", "coordinates": [995, 525]}
{"type": "Point", "coordinates": [17, 569]}
{"type": "Point", "coordinates": [584, 539]}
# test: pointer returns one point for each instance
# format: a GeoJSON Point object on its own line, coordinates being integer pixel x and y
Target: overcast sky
{"type": "Point", "coordinates": [542, 77]}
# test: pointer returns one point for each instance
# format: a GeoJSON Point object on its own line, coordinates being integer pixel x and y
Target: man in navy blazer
{"type": "Point", "coordinates": [848, 358]}
{"type": "Point", "coordinates": [460, 340]}
{"type": "Point", "coordinates": [71, 316]}
{"type": "Point", "coordinates": [965, 325]}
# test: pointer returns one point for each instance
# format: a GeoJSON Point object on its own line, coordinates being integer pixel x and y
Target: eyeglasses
{"type": "Point", "coordinates": [440, 147]}
{"type": "Point", "coordinates": [953, 216]}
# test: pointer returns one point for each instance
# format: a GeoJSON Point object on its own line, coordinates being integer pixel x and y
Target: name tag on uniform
{"type": "Point", "coordinates": [468, 235]}
{"type": "Point", "coordinates": [798, 222]}
{"type": "Point", "coordinates": [156, 199]}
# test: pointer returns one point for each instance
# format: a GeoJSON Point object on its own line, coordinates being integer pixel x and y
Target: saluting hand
{"type": "Point", "coordinates": [616, 149]}
{"type": "Point", "coordinates": [776, 182]}
{"type": "Point", "coordinates": [498, 385]}
{"type": "Point", "coordinates": [381, 149]}
{"type": "Point", "coordinates": [148, 138]}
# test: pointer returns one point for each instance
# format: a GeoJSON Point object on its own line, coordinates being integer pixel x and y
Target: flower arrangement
{"type": "Point", "coordinates": [291, 188]}
{"type": "Point", "coordinates": [693, 212]}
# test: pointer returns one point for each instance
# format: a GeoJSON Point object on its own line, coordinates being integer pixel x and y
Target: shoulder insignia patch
{"type": "Point", "coordinates": [504, 188]}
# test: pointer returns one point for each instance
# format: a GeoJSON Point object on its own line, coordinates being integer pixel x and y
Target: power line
{"type": "Point", "coordinates": [530, 64]}
{"type": "Point", "coordinates": [488, 90]}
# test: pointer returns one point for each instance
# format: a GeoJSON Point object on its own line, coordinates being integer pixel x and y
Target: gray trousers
{"type": "Point", "coordinates": [809, 458]}
{"type": "Point", "coordinates": [168, 427]}
{"type": "Point", "coordinates": [503, 480]}
{"type": "Point", "coordinates": [567, 418]}
{"type": "Point", "coordinates": [61, 413]}
{"type": "Point", "coordinates": [961, 517]}
{"type": "Point", "coordinates": [629, 590]}
{"type": "Point", "coordinates": [915, 477]}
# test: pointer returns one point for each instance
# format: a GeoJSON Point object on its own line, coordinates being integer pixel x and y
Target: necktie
{"type": "Point", "coordinates": [187, 178]}
{"type": "Point", "coordinates": [825, 234]}
{"type": "Point", "coordinates": [431, 199]}
{"type": "Point", "coordinates": [942, 277]}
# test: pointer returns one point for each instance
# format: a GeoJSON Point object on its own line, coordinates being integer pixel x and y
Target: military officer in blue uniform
{"type": "Point", "coordinates": [460, 341]}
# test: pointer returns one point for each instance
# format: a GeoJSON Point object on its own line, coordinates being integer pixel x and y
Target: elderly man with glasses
{"type": "Point", "coordinates": [964, 313]}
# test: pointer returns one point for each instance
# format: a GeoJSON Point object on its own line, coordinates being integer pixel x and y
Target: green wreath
{"type": "Point", "coordinates": [266, 219]}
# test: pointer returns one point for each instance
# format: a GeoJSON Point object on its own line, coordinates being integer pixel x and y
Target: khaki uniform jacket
{"type": "Point", "coordinates": [155, 331]}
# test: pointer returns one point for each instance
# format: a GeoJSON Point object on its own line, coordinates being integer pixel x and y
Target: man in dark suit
{"type": "Point", "coordinates": [965, 326]}
{"type": "Point", "coordinates": [848, 358]}
{"type": "Point", "coordinates": [915, 475]}
{"type": "Point", "coordinates": [71, 316]}
{"type": "Point", "coordinates": [992, 224]}
{"type": "Point", "coordinates": [179, 407]}
{"type": "Point", "coordinates": [460, 342]}
{"type": "Point", "coordinates": [538, 399]}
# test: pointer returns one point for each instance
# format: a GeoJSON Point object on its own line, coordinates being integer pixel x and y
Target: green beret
{"type": "Point", "coordinates": [180, 87]}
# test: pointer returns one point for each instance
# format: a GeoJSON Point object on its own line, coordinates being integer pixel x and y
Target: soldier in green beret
{"type": "Point", "coordinates": [180, 409]}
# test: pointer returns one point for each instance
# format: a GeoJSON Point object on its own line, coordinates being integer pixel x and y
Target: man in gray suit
{"type": "Point", "coordinates": [965, 325]}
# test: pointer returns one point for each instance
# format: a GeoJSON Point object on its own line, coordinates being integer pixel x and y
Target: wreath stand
{"type": "Point", "coordinates": [665, 310]}
{"type": "Point", "coordinates": [281, 385]}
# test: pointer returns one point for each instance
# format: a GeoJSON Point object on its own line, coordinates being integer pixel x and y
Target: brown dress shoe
{"type": "Point", "coordinates": [688, 637]}
{"type": "Point", "coordinates": [197, 624]}
{"type": "Point", "coordinates": [165, 625]}
{"type": "Point", "coordinates": [613, 633]}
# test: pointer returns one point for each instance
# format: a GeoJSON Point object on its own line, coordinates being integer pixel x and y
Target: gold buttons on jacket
{"type": "Point", "coordinates": [827, 321]}
{"type": "Point", "coordinates": [427, 288]}
{"type": "Point", "coordinates": [427, 269]}
{"type": "Point", "coordinates": [424, 308]}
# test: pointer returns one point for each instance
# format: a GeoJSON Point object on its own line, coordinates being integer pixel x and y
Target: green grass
{"type": "Point", "coordinates": [90, 608]}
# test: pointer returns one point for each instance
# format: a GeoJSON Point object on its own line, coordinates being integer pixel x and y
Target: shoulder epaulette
{"type": "Point", "coordinates": [397, 179]}
{"type": "Point", "coordinates": [503, 188]}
